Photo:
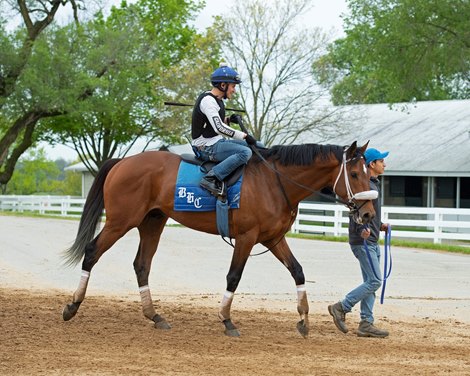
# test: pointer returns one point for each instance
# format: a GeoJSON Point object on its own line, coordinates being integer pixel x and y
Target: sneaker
{"type": "Point", "coordinates": [211, 183]}
{"type": "Point", "coordinates": [367, 329]}
{"type": "Point", "coordinates": [339, 316]}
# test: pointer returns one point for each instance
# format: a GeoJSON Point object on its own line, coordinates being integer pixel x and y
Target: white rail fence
{"type": "Point", "coordinates": [434, 224]}
{"type": "Point", "coordinates": [65, 206]}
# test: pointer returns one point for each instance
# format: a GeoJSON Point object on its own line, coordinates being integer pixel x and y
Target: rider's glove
{"type": "Point", "coordinates": [236, 119]}
{"type": "Point", "coordinates": [250, 140]}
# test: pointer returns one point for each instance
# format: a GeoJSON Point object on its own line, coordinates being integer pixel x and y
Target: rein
{"type": "Point", "coordinates": [351, 196]}
{"type": "Point", "coordinates": [387, 256]}
{"type": "Point", "coordinates": [256, 254]}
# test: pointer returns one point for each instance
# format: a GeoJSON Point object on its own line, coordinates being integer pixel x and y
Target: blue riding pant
{"type": "Point", "coordinates": [229, 153]}
{"type": "Point", "coordinates": [365, 292]}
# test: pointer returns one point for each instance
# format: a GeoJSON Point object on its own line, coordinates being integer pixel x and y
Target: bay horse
{"type": "Point", "coordinates": [138, 191]}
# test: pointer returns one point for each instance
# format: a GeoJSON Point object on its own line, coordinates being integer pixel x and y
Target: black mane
{"type": "Point", "coordinates": [301, 155]}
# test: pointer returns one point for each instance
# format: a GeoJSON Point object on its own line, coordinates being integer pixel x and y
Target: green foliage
{"type": "Point", "coordinates": [21, 108]}
{"type": "Point", "coordinates": [115, 65]}
{"type": "Point", "coordinates": [98, 85]}
{"type": "Point", "coordinates": [395, 243]}
{"type": "Point", "coordinates": [400, 50]}
{"type": "Point", "coordinates": [167, 23]}
{"type": "Point", "coordinates": [185, 81]}
{"type": "Point", "coordinates": [35, 174]}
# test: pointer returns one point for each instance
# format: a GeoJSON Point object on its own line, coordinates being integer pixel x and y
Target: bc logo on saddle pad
{"type": "Point", "coordinates": [190, 196]}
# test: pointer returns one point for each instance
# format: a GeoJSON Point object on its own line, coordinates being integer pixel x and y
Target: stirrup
{"type": "Point", "coordinates": [221, 192]}
{"type": "Point", "coordinates": [218, 191]}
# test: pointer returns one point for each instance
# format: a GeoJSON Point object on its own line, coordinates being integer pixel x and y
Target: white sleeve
{"type": "Point", "coordinates": [210, 108]}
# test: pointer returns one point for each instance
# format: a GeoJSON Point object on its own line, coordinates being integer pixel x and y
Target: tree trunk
{"type": "Point", "coordinates": [18, 139]}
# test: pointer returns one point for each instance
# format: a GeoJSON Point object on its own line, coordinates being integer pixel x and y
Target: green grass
{"type": "Point", "coordinates": [344, 239]}
{"type": "Point", "coordinates": [395, 242]}
{"type": "Point", "coordinates": [35, 215]}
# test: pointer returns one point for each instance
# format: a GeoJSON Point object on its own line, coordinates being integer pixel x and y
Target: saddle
{"type": "Point", "coordinates": [188, 197]}
{"type": "Point", "coordinates": [206, 166]}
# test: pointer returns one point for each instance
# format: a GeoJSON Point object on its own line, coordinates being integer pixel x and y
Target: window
{"type": "Point", "coordinates": [445, 188]}
{"type": "Point", "coordinates": [465, 192]}
{"type": "Point", "coordinates": [405, 190]}
{"type": "Point", "coordinates": [445, 192]}
{"type": "Point", "coordinates": [397, 186]}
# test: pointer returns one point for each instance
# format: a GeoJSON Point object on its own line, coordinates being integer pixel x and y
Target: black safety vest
{"type": "Point", "coordinates": [200, 124]}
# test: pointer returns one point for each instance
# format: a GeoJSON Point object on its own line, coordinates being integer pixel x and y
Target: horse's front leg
{"type": "Point", "coordinates": [283, 253]}
{"type": "Point", "coordinates": [243, 246]}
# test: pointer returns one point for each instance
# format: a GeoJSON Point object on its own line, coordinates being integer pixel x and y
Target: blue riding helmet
{"type": "Point", "coordinates": [225, 74]}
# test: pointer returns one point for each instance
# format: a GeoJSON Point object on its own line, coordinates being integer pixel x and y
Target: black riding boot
{"type": "Point", "coordinates": [212, 184]}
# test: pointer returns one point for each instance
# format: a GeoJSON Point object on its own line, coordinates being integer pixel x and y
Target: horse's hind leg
{"type": "Point", "coordinates": [283, 253]}
{"type": "Point", "coordinates": [93, 251]}
{"type": "Point", "coordinates": [150, 231]}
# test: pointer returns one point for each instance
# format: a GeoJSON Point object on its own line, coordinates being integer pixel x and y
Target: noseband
{"type": "Point", "coordinates": [353, 197]}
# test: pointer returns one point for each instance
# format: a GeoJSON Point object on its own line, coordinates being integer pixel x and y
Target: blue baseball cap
{"type": "Point", "coordinates": [372, 155]}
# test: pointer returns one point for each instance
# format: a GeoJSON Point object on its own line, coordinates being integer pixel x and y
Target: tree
{"type": "Point", "coordinates": [35, 174]}
{"type": "Point", "coordinates": [18, 121]}
{"type": "Point", "coordinates": [399, 51]}
{"type": "Point", "coordinates": [184, 81]}
{"type": "Point", "coordinates": [90, 83]}
{"type": "Point", "coordinates": [274, 58]}
{"type": "Point", "coordinates": [120, 62]}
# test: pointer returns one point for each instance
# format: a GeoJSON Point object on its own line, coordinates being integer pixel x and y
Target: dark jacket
{"type": "Point", "coordinates": [356, 229]}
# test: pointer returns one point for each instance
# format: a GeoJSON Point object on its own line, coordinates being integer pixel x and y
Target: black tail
{"type": "Point", "coordinates": [91, 215]}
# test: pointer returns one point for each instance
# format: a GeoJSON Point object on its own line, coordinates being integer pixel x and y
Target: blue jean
{"type": "Point", "coordinates": [365, 292]}
{"type": "Point", "coordinates": [229, 153]}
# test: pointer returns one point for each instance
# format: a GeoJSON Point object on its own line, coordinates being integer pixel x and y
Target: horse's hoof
{"type": "Point", "coordinates": [70, 310]}
{"type": "Point", "coordinates": [160, 322]}
{"type": "Point", "coordinates": [230, 329]}
{"type": "Point", "coordinates": [232, 332]}
{"type": "Point", "coordinates": [162, 325]}
{"type": "Point", "coordinates": [302, 328]}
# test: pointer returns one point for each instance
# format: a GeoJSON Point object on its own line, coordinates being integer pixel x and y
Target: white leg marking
{"type": "Point", "coordinates": [82, 285]}
{"type": "Point", "coordinates": [302, 303]}
{"type": "Point", "coordinates": [227, 299]}
{"type": "Point", "coordinates": [147, 304]}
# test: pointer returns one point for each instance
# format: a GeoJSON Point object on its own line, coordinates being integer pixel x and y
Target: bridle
{"type": "Point", "coordinates": [353, 197]}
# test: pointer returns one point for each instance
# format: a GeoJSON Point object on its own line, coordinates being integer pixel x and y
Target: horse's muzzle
{"type": "Point", "coordinates": [362, 219]}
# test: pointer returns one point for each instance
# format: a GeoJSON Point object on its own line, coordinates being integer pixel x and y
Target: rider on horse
{"type": "Point", "coordinates": [212, 137]}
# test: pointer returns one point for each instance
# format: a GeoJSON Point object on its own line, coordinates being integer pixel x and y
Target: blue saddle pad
{"type": "Point", "coordinates": [189, 196]}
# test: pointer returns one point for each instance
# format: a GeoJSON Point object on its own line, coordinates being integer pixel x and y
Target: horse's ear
{"type": "Point", "coordinates": [351, 151]}
{"type": "Point", "coordinates": [364, 148]}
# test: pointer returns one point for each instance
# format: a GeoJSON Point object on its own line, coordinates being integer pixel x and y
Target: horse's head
{"type": "Point", "coordinates": [352, 184]}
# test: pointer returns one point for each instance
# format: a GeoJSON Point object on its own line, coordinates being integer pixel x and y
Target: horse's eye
{"type": "Point", "coordinates": [354, 175]}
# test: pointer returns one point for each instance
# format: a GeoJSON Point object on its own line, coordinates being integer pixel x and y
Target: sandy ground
{"type": "Point", "coordinates": [426, 310]}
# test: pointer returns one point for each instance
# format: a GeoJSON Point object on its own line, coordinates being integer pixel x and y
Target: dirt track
{"type": "Point", "coordinates": [109, 336]}
{"type": "Point", "coordinates": [427, 312]}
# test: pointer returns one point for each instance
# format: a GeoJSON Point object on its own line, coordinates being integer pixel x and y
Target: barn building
{"type": "Point", "coordinates": [429, 145]}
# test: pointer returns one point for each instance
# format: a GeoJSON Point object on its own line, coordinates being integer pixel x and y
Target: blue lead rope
{"type": "Point", "coordinates": [387, 256]}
